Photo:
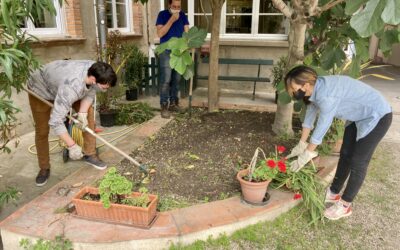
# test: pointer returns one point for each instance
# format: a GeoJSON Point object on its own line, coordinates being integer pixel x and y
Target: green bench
{"type": "Point", "coordinates": [229, 61]}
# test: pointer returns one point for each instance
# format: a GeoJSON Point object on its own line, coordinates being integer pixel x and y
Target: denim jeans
{"type": "Point", "coordinates": [355, 157]}
{"type": "Point", "coordinates": [169, 80]}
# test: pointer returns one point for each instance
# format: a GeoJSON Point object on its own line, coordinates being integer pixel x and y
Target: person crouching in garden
{"type": "Point", "coordinates": [368, 117]}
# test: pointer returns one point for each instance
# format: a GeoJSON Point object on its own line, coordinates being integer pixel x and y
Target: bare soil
{"type": "Point", "coordinates": [196, 160]}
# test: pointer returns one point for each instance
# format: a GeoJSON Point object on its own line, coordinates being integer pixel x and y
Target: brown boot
{"type": "Point", "coordinates": [174, 107]}
{"type": "Point", "coordinates": [164, 111]}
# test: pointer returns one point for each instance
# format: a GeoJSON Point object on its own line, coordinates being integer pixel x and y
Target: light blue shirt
{"type": "Point", "coordinates": [345, 98]}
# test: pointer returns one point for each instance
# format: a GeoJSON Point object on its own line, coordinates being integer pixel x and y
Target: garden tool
{"type": "Point", "coordinates": [142, 167]}
{"type": "Point", "coordinates": [191, 88]}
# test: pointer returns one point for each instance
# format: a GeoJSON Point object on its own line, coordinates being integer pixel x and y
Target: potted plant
{"type": "Point", "coordinates": [106, 102]}
{"type": "Point", "coordinates": [255, 179]}
{"type": "Point", "coordinates": [134, 61]}
{"type": "Point", "coordinates": [114, 201]}
{"type": "Point", "coordinates": [113, 54]}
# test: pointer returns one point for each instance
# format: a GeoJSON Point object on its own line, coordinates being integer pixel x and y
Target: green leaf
{"type": "Point", "coordinates": [3, 117]}
{"type": "Point", "coordinates": [389, 38]}
{"type": "Point", "coordinates": [362, 46]}
{"type": "Point", "coordinates": [355, 67]}
{"type": "Point", "coordinates": [196, 37]}
{"type": "Point", "coordinates": [391, 13]}
{"type": "Point", "coordinates": [187, 59]}
{"type": "Point", "coordinates": [7, 65]}
{"type": "Point", "coordinates": [308, 59]}
{"type": "Point", "coordinates": [280, 86]}
{"type": "Point", "coordinates": [331, 57]}
{"type": "Point", "coordinates": [338, 12]}
{"type": "Point", "coordinates": [368, 21]}
{"type": "Point", "coordinates": [161, 48]}
{"type": "Point", "coordinates": [284, 98]}
{"type": "Point", "coordinates": [298, 105]}
{"type": "Point", "coordinates": [176, 62]}
{"type": "Point", "coordinates": [354, 5]}
{"type": "Point", "coordinates": [189, 72]}
{"type": "Point", "coordinates": [179, 44]}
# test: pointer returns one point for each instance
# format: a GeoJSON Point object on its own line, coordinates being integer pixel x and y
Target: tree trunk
{"type": "Point", "coordinates": [213, 100]}
{"type": "Point", "coordinates": [283, 117]}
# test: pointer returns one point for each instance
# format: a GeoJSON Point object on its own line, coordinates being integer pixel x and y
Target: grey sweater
{"type": "Point", "coordinates": [62, 82]}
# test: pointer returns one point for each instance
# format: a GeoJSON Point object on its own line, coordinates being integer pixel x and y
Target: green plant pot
{"type": "Point", "coordinates": [107, 118]}
{"type": "Point", "coordinates": [131, 94]}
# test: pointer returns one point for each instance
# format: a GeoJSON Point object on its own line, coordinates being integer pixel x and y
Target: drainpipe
{"type": "Point", "coordinates": [102, 27]}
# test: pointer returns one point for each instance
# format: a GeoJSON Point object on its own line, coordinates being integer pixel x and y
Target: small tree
{"type": "Point", "coordinates": [330, 22]}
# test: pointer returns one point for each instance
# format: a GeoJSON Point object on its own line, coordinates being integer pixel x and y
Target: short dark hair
{"type": "Point", "coordinates": [300, 75]}
{"type": "Point", "coordinates": [170, 1]}
{"type": "Point", "coordinates": [104, 73]}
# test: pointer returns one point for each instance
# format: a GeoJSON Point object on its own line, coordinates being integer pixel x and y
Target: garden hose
{"type": "Point", "coordinates": [61, 144]}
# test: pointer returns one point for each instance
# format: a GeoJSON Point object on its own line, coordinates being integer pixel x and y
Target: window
{"type": "Point", "coordinates": [118, 14]}
{"type": "Point", "coordinates": [48, 24]}
{"type": "Point", "coordinates": [240, 18]}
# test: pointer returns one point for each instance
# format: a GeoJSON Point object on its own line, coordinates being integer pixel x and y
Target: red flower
{"type": "Point", "coordinates": [297, 196]}
{"type": "Point", "coordinates": [282, 166]}
{"type": "Point", "coordinates": [271, 163]}
{"type": "Point", "coordinates": [281, 149]}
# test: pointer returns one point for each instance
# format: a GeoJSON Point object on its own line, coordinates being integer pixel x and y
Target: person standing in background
{"type": "Point", "coordinates": [170, 23]}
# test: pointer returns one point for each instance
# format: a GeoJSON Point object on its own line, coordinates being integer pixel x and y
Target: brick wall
{"type": "Point", "coordinates": [137, 18]}
{"type": "Point", "coordinates": [73, 19]}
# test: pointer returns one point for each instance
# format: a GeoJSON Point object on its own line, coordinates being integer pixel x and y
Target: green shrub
{"type": "Point", "coordinates": [59, 243]}
{"type": "Point", "coordinates": [133, 113]}
{"type": "Point", "coordinates": [114, 187]}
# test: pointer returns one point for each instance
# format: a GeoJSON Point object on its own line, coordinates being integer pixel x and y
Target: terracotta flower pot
{"type": "Point", "coordinates": [253, 192]}
{"type": "Point", "coordinates": [118, 213]}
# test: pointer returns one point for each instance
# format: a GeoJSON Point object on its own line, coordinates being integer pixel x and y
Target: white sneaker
{"type": "Point", "coordinates": [331, 197]}
{"type": "Point", "coordinates": [337, 211]}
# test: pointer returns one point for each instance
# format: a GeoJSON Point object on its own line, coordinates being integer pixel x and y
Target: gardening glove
{"type": "Point", "coordinates": [75, 152]}
{"type": "Point", "coordinates": [300, 147]}
{"type": "Point", "coordinates": [83, 121]}
{"type": "Point", "coordinates": [302, 160]}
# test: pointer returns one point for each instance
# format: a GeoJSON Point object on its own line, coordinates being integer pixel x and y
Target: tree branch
{"type": "Point", "coordinates": [282, 7]}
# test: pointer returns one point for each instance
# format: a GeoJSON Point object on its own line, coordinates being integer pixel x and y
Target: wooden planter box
{"type": "Point", "coordinates": [117, 213]}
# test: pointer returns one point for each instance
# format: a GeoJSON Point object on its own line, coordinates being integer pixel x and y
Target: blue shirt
{"type": "Point", "coordinates": [177, 27]}
{"type": "Point", "coordinates": [345, 98]}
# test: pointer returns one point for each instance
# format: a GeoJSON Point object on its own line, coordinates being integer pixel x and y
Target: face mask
{"type": "Point", "coordinates": [98, 89]}
{"type": "Point", "coordinates": [173, 11]}
{"type": "Point", "coordinates": [306, 100]}
{"type": "Point", "coordinates": [299, 94]}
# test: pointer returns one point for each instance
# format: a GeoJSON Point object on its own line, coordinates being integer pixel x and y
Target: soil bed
{"type": "Point", "coordinates": [196, 160]}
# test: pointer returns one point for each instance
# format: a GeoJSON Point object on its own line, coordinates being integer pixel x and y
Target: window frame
{"type": "Point", "coordinates": [129, 16]}
{"type": "Point", "coordinates": [60, 24]}
{"type": "Point", "coordinates": [254, 35]}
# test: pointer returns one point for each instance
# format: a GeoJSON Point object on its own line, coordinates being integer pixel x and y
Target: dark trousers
{"type": "Point", "coordinates": [170, 79]}
{"type": "Point", "coordinates": [41, 115]}
{"type": "Point", "coordinates": [355, 157]}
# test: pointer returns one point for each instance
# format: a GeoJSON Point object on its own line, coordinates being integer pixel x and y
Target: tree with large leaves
{"type": "Point", "coordinates": [332, 25]}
